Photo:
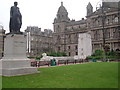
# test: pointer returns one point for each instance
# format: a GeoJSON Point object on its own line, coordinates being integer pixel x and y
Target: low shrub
{"type": "Point", "coordinates": [56, 54]}
{"type": "Point", "coordinates": [98, 54]}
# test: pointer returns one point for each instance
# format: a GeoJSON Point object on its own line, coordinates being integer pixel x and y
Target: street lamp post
{"type": "Point", "coordinates": [103, 29]}
{"type": "Point", "coordinates": [65, 43]}
{"type": "Point", "coordinates": [111, 7]}
{"type": "Point", "coordinates": [103, 16]}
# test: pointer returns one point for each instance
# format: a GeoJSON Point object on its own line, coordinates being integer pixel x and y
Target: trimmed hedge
{"type": "Point", "coordinates": [56, 54]}
{"type": "Point", "coordinates": [98, 54]}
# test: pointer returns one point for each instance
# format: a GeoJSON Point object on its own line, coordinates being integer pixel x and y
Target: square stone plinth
{"type": "Point", "coordinates": [15, 61]}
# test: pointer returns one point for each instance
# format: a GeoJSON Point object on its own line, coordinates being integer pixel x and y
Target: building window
{"type": "Point", "coordinates": [119, 34]}
{"type": "Point", "coordinates": [81, 49]}
{"type": "Point", "coordinates": [96, 46]}
{"type": "Point", "coordinates": [82, 54]}
{"type": "Point", "coordinates": [98, 22]}
{"type": "Point", "coordinates": [115, 33]}
{"type": "Point", "coordinates": [107, 34]}
{"type": "Point", "coordinates": [69, 47]}
{"type": "Point", "coordinates": [108, 21]}
{"type": "Point", "coordinates": [32, 38]}
{"type": "Point", "coordinates": [72, 28]}
{"type": "Point", "coordinates": [76, 47]}
{"type": "Point", "coordinates": [116, 19]}
{"type": "Point", "coordinates": [96, 35]}
{"type": "Point", "coordinates": [59, 48]}
{"type": "Point", "coordinates": [58, 16]}
{"type": "Point", "coordinates": [69, 54]}
{"type": "Point", "coordinates": [76, 53]}
{"type": "Point", "coordinates": [68, 36]}
{"type": "Point", "coordinates": [81, 38]}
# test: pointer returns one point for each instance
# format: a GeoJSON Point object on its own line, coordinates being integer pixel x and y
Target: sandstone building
{"type": "Point", "coordinates": [66, 31]}
{"type": "Point", "coordinates": [38, 41]}
{"type": "Point", "coordinates": [2, 35]}
{"type": "Point", "coordinates": [107, 18]}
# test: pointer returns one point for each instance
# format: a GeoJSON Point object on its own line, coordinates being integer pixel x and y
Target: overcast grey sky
{"type": "Point", "coordinates": [41, 13]}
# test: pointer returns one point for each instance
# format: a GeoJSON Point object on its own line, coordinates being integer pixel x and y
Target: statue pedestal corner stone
{"type": "Point", "coordinates": [15, 61]}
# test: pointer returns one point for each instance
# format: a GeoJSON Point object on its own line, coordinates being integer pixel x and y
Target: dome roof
{"type": "Point", "coordinates": [62, 9]}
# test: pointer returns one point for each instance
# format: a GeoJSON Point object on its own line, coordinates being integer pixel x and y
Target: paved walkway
{"type": "Point", "coordinates": [63, 64]}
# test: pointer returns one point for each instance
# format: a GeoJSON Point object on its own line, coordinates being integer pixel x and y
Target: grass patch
{"type": "Point", "coordinates": [88, 75]}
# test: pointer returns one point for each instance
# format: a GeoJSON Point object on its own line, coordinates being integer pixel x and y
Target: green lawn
{"type": "Point", "coordinates": [87, 75]}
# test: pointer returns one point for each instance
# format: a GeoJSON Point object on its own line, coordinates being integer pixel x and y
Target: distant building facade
{"type": "Point", "coordinates": [109, 17]}
{"type": "Point", "coordinates": [38, 41]}
{"type": "Point", "coordinates": [2, 36]}
{"type": "Point", "coordinates": [66, 31]}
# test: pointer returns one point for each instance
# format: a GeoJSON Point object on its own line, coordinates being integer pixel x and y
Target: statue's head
{"type": "Point", "coordinates": [15, 3]}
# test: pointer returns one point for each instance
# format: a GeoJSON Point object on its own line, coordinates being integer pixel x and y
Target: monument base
{"type": "Point", "coordinates": [16, 67]}
{"type": "Point", "coordinates": [18, 71]}
{"type": "Point", "coordinates": [15, 61]}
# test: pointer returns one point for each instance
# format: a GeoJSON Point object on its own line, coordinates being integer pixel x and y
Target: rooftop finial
{"type": "Point", "coordinates": [61, 3]}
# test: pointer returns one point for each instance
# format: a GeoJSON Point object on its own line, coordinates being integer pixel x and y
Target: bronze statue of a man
{"type": "Point", "coordinates": [15, 19]}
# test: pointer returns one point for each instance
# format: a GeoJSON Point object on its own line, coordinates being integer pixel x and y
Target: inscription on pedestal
{"type": "Point", "coordinates": [19, 44]}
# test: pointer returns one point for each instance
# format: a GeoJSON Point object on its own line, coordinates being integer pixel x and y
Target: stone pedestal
{"type": "Point", "coordinates": [15, 61]}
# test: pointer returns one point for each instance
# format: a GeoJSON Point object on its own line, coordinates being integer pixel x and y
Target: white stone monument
{"type": "Point", "coordinates": [15, 61]}
{"type": "Point", "coordinates": [84, 45]}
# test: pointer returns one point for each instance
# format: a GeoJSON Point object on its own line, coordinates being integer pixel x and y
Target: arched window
{"type": "Point", "coordinates": [58, 16]}
{"type": "Point", "coordinates": [115, 33]}
{"type": "Point", "coordinates": [108, 20]}
{"type": "Point", "coordinates": [96, 35]}
{"type": "Point", "coordinates": [116, 19]}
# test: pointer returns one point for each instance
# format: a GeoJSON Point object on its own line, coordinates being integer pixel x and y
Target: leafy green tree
{"type": "Point", "coordinates": [56, 54]}
{"type": "Point", "coordinates": [98, 53]}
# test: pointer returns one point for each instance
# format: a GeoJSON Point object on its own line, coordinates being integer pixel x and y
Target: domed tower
{"type": "Point", "coordinates": [89, 9]}
{"type": "Point", "coordinates": [61, 19]}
